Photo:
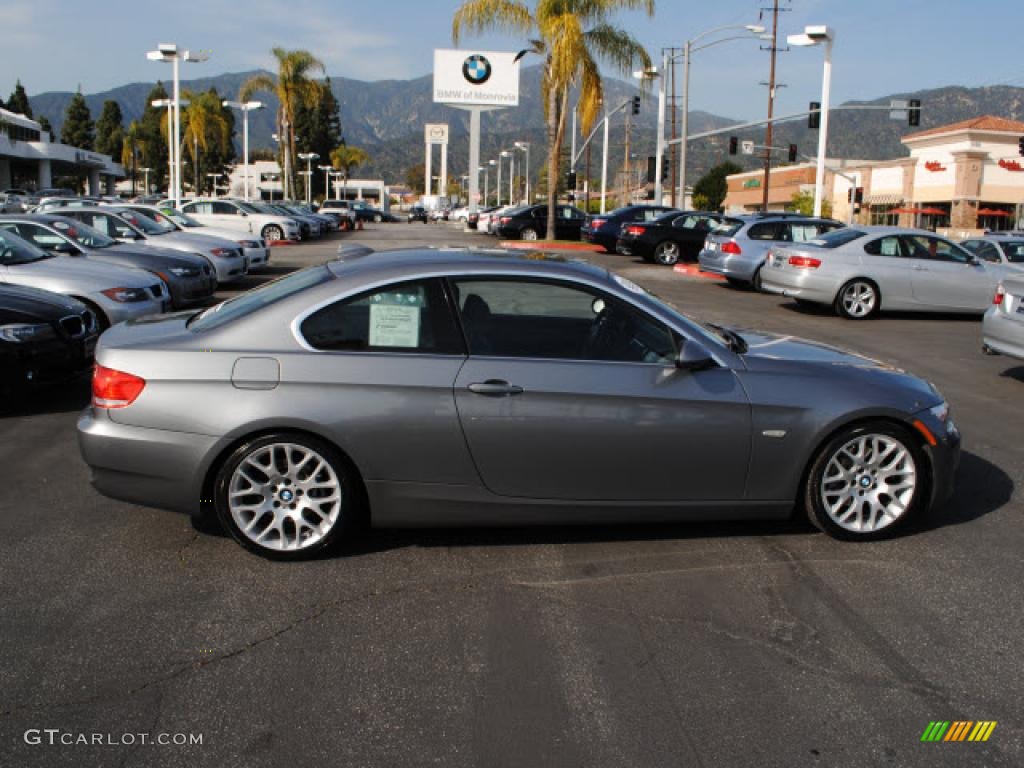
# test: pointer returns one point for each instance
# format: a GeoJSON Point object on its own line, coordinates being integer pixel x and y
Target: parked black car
{"type": "Point", "coordinates": [603, 229]}
{"type": "Point", "coordinates": [419, 213]}
{"type": "Point", "coordinates": [43, 336]}
{"type": "Point", "coordinates": [668, 239]}
{"type": "Point", "coordinates": [531, 222]}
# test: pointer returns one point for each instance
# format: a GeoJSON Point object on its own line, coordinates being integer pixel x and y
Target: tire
{"type": "Point", "coordinates": [666, 253]}
{"type": "Point", "coordinates": [277, 520]}
{"type": "Point", "coordinates": [866, 482]}
{"type": "Point", "coordinates": [529, 233]}
{"type": "Point", "coordinates": [102, 321]}
{"type": "Point", "coordinates": [755, 281]}
{"type": "Point", "coordinates": [272, 232]}
{"type": "Point", "coordinates": [377, 218]}
{"type": "Point", "coordinates": [858, 299]}
{"type": "Point", "coordinates": [735, 282]}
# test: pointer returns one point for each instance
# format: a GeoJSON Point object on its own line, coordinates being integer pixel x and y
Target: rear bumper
{"type": "Point", "coordinates": [1003, 333]}
{"type": "Point", "coordinates": [728, 265]}
{"type": "Point", "coordinates": [152, 467]}
{"type": "Point", "coordinates": [803, 284]}
{"type": "Point", "coordinates": [632, 247]}
{"type": "Point", "coordinates": [604, 239]}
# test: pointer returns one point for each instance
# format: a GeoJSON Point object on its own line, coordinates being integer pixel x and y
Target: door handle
{"type": "Point", "coordinates": [920, 269]}
{"type": "Point", "coordinates": [495, 388]}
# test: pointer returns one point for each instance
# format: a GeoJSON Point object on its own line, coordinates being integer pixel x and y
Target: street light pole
{"type": "Point", "coordinates": [146, 172]}
{"type": "Point", "coordinates": [309, 157]}
{"type": "Point", "coordinates": [525, 147]}
{"type": "Point", "coordinates": [604, 166]}
{"type": "Point", "coordinates": [245, 108]}
{"type": "Point", "coordinates": [685, 125]}
{"type": "Point", "coordinates": [660, 144]}
{"type": "Point", "coordinates": [497, 188]}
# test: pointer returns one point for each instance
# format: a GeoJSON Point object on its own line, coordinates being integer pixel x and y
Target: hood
{"type": "Point", "coordinates": [770, 352]}
{"type": "Point", "coordinates": [149, 255]}
{"type": "Point", "coordinates": [179, 240]}
{"type": "Point", "coordinates": [234, 235]}
{"type": "Point", "coordinates": [23, 304]}
{"type": "Point", "coordinates": [68, 273]}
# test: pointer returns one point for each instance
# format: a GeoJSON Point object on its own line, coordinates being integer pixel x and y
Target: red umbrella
{"type": "Point", "coordinates": [991, 212]}
{"type": "Point", "coordinates": [934, 212]}
{"type": "Point", "coordinates": [906, 210]}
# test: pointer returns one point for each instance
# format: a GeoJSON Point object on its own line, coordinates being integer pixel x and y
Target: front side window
{"type": "Point", "coordinates": [200, 208]}
{"type": "Point", "coordinates": [984, 250]}
{"type": "Point", "coordinates": [14, 250]}
{"type": "Point", "coordinates": [403, 317]}
{"type": "Point", "coordinates": [934, 249]}
{"type": "Point", "coordinates": [546, 319]}
{"type": "Point", "coordinates": [1014, 251]}
{"type": "Point", "coordinates": [225, 209]}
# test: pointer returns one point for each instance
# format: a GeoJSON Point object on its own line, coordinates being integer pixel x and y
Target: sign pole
{"type": "Point", "coordinates": [474, 158]}
{"type": "Point", "coordinates": [427, 169]}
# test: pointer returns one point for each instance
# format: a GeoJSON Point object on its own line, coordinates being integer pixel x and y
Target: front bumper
{"type": "Point", "coordinates": [152, 467]}
{"type": "Point", "coordinates": [187, 291]}
{"type": "Point", "coordinates": [1003, 333]}
{"type": "Point", "coordinates": [944, 456]}
{"type": "Point", "coordinates": [117, 311]}
{"type": "Point", "coordinates": [257, 257]}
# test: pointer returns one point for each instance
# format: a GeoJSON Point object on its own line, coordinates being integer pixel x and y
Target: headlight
{"type": "Point", "coordinates": [224, 253]}
{"type": "Point", "coordinates": [248, 244]}
{"type": "Point", "coordinates": [123, 295]}
{"type": "Point", "coordinates": [21, 332]}
{"type": "Point", "coordinates": [941, 412]}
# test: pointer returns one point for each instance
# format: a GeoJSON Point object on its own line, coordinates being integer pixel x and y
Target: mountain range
{"type": "Point", "coordinates": [386, 118]}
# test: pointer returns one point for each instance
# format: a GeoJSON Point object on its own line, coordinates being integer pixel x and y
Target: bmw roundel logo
{"type": "Point", "coordinates": [476, 69]}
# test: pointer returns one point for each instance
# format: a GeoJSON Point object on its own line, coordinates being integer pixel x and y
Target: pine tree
{"type": "Point", "coordinates": [18, 102]}
{"type": "Point", "coordinates": [45, 127]}
{"type": "Point", "coordinates": [109, 131]}
{"type": "Point", "coordinates": [318, 129]}
{"type": "Point", "coordinates": [152, 133]}
{"type": "Point", "coordinates": [78, 128]}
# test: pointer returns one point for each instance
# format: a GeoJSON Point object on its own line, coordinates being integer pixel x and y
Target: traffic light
{"type": "Point", "coordinates": [792, 153]}
{"type": "Point", "coordinates": [664, 166]}
{"type": "Point", "coordinates": [914, 112]}
{"type": "Point", "coordinates": [734, 144]}
{"type": "Point", "coordinates": [855, 195]}
{"type": "Point", "coordinates": [1020, 146]}
{"type": "Point", "coordinates": [636, 105]}
{"type": "Point", "coordinates": [652, 165]}
{"type": "Point", "coordinates": [570, 180]}
{"type": "Point", "coordinates": [814, 119]}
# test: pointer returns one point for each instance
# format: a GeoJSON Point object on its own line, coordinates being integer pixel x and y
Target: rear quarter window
{"type": "Point", "coordinates": [727, 227]}
{"type": "Point", "coordinates": [764, 231]}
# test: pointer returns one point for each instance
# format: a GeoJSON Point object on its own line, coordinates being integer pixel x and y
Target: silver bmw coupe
{"type": "Point", "coordinates": [452, 387]}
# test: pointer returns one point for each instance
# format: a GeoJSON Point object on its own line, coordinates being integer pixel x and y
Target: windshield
{"type": "Point", "coordinates": [182, 219]}
{"type": "Point", "coordinates": [1014, 251]}
{"type": "Point", "coordinates": [147, 225]}
{"type": "Point", "coordinates": [248, 207]}
{"type": "Point", "coordinates": [836, 238]}
{"type": "Point", "coordinates": [83, 234]}
{"type": "Point", "coordinates": [14, 250]}
{"type": "Point", "coordinates": [727, 227]}
{"type": "Point", "coordinates": [251, 301]}
{"type": "Point", "coordinates": [157, 218]}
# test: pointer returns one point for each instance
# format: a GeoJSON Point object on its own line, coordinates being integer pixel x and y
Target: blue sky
{"type": "Point", "coordinates": [882, 46]}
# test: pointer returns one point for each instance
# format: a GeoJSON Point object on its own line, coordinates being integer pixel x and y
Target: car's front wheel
{"type": "Point", "coordinates": [857, 300]}
{"type": "Point", "coordinates": [666, 253]}
{"type": "Point", "coordinates": [272, 232]}
{"type": "Point", "coordinates": [377, 218]}
{"type": "Point", "coordinates": [285, 496]}
{"type": "Point", "coordinates": [868, 480]}
{"type": "Point", "coordinates": [528, 234]}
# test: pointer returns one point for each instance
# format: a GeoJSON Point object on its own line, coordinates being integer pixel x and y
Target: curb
{"type": "Point", "coordinates": [692, 270]}
{"type": "Point", "coordinates": [547, 245]}
{"type": "Point", "coordinates": [279, 243]}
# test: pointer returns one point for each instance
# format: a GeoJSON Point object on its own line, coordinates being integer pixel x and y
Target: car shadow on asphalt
{"type": "Point", "coordinates": [56, 397]}
{"type": "Point", "coordinates": [824, 310]}
{"type": "Point", "coordinates": [1016, 372]}
{"type": "Point", "coordinates": [981, 488]}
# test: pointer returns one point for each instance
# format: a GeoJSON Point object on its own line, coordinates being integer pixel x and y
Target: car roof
{"type": "Point", "coordinates": [40, 218]}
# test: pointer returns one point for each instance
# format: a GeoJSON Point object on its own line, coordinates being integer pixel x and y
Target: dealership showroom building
{"type": "Point", "coordinates": [29, 160]}
{"type": "Point", "coordinates": [958, 179]}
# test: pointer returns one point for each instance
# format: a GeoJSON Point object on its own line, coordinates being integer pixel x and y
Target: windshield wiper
{"type": "Point", "coordinates": [735, 341]}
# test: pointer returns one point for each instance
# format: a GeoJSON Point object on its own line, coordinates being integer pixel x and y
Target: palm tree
{"type": "Point", "coordinates": [572, 36]}
{"type": "Point", "coordinates": [204, 123]}
{"type": "Point", "coordinates": [131, 146]}
{"type": "Point", "coordinates": [293, 87]}
{"type": "Point", "coordinates": [346, 158]}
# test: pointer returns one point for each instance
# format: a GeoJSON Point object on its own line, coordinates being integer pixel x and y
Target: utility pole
{"type": "Point", "coordinates": [675, 106]}
{"type": "Point", "coordinates": [586, 186]}
{"type": "Point", "coordinates": [773, 50]}
{"type": "Point", "coordinates": [624, 200]}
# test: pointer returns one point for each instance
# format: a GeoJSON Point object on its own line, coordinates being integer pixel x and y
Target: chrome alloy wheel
{"type": "Point", "coordinates": [667, 253]}
{"type": "Point", "coordinates": [868, 483]}
{"type": "Point", "coordinates": [859, 299]}
{"type": "Point", "coordinates": [284, 497]}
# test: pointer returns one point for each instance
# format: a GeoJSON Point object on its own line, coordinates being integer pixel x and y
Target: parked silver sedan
{"type": "Point", "coordinates": [998, 248]}
{"type": "Point", "coordinates": [862, 270]}
{"type": "Point", "coordinates": [113, 293]}
{"type": "Point", "coordinates": [1003, 326]}
{"type": "Point", "coordinates": [446, 387]}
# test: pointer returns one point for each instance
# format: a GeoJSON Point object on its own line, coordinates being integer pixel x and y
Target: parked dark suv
{"type": "Point", "coordinates": [666, 240]}
{"type": "Point", "coordinates": [531, 222]}
{"type": "Point", "coordinates": [603, 229]}
{"type": "Point", "coordinates": [738, 246]}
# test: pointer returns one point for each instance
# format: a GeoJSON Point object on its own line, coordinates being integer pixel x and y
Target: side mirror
{"type": "Point", "coordinates": [242, 213]}
{"type": "Point", "coordinates": [973, 261]}
{"type": "Point", "coordinates": [694, 357]}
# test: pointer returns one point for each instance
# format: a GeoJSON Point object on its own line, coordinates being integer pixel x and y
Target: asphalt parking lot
{"type": "Point", "coordinates": [684, 645]}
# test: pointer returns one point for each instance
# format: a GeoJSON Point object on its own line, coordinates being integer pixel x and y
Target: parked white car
{"type": "Point", "coordinates": [255, 249]}
{"type": "Point", "coordinates": [241, 216]}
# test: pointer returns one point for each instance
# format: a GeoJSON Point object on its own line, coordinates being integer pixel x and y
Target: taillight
{"type": "Point", "coordinates": [505, 219]}
{"type": "Point", "coordinates": [732, 247]}
{"type": "Point", "coordinates": [115, 389]}
{"type": "Point", "coordinates": [635, 230]}
{"type": "Point", "coordinates": [807, 262]}
{"type": "Point", "coordinates": [1000, 293]}
{"type": "Point", "coordinates": [597, 223]}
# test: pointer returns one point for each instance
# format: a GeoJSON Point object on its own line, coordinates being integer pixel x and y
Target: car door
{"type": "Point", "coordinates": [690, 231]}
{"type": "Point", "coordinates": [944, 276]}
{"type": "Point", "coordinates": [567, 224]}
{"type": "Point", "coordinates": [571, 393]}
{"type": "Point", "coordinates": [378, 375]}
{"type": "Point", "coordinates": [885, 261]}
{"type": "Point", "coordinates": [108, 224]}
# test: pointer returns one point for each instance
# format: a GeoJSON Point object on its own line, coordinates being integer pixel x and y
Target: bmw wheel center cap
{"type": "Point", "coordinates": [476, 69]}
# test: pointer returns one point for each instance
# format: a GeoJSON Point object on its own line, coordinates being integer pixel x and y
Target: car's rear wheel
{"type": "Point", "coordinates": [285, 496]}
{"type": "Point", "coordinates": [272, 232]}
{"type": "Point", "coordinates": [528, 234]}
{"type": "Point", "coordinates": [736, 283]}
{"type": "Point", "coordinates": [755, 282]}
{"type": "Point", "coordinates": [666, 253]}
{"type": "Point", "coordinates": [867, 481]}
{"type": "Point", "coordinates": [857, 300]}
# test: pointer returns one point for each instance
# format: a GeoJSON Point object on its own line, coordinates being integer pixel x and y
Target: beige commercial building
{"type": "Point", "coordinates": [959, 179]}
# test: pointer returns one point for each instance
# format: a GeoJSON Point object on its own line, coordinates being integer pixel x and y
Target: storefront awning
{"type": "Point", "coordinates": [891, 199]}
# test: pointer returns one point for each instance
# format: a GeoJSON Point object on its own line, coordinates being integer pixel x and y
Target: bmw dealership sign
{"type": "Point", "coordinates": [484, 78]}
